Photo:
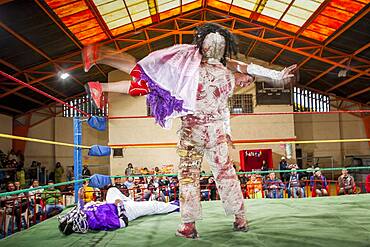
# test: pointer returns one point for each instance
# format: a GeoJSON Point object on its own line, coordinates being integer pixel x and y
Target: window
{"type": "Point", "coordinates": [241, 103]}
{"type": "Point", "coordinates": [84, 104]}
{"type": "Point", "coordinates": [306, 100]}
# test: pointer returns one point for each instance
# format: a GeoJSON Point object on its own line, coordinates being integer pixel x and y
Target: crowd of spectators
{"type": "Point", "coordinates": [148, 185]}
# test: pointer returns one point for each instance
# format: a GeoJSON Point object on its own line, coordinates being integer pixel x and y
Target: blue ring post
{"type": "Point", "coordinates": [77, 154]}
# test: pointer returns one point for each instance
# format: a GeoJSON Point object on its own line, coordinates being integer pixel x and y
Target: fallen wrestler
{"type": "Point", "coordinates": [116, 212]}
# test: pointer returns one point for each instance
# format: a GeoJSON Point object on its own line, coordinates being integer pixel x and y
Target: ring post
{"type": "Point", "coordinates": [77, 155]}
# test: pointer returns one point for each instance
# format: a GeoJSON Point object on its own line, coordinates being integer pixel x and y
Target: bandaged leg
{"type": "Point", "coordinates": [189, 174]}
{"type": "Point", "coordinates": [227, 182]}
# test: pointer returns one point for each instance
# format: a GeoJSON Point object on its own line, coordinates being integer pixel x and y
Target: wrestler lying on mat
{"type": "Point", "coordinates": [116, 212]}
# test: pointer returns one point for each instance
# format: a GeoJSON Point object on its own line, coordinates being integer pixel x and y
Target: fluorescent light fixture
{"type": "Point", "coordinates": [64, 75]}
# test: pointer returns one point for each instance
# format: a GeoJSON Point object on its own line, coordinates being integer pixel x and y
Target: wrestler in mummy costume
{"type": "Point", "coordinates": [116, 212]}
{"type": "Point", "coordinates": [192, 82]}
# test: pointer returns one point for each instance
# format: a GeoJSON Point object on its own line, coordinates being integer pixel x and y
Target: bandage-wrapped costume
{"type": "Point", "coordinates": [191, 83]}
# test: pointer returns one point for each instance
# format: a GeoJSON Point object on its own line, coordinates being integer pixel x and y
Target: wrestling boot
{"type": "Point", "coordinates": [240, 224]}
{"type": "Point", "coordinates": [187, 230]}
{"type": "Point", "coordinates": [138, 85]}
{"type": "Point", "coordinates": [89, 56]}
{"type": "Point", "coordinates": [95, 92]}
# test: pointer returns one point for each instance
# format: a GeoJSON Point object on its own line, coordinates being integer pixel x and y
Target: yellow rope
{"type": "Point", "coordinates": [41, 141]}
{"type": "Point", "coordinates": [249, 143]}
{"type": "Point", "coordinates": [174, 145]}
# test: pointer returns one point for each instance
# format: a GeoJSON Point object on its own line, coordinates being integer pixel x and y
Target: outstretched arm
{"type": "Point", "coordinates": [261, 73]}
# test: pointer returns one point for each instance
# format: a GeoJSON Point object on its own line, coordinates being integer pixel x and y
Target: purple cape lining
{"type": "Point", "coordinates": [162, 104]}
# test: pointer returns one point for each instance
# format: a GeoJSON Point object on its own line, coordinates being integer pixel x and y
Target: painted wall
{"type": "Point", "coordinates": [61, 129]}
{"type": "Point", "coordinates": [128, 131]}
{"type": "Point", "coordinates": [332, 126]}
{"type": "Point", "coordinates": [6, 127]}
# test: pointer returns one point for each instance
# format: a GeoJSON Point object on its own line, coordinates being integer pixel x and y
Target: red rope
{"type": "Point", "coordinates": [261, 114]}
{"type": "Point", "coordinates": [42, 92]}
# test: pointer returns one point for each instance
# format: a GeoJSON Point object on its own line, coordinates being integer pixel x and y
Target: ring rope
{"type": "Point", "coordinates": [171, 145]}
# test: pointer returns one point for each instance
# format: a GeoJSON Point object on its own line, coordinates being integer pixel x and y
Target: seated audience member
{"type": "Point", "coordinates": [86, 193]}
{"type": "Point", "coordinates": [346, 183]}
{"type": "Point", "coordinates": [204, 190]}
{"type": "Point", "coordinates": [17, 185]}
{"type": "Point", "coordinates": [212, 188]}
{"type": "Point", "coordinates": [13, 206]}
{"type": "Point", "coordinates": [86, 173]}
{"type": "Point", "coordinates": [35, 195]}
{"type": "Point", "coordinates": [157, 171]}
{"type": "Point", "coordinates": [144, 171]}
{"type": "Point", "coordinates": [273, 186]}
{"type": "Point", "coordinates": [294, 185]}
{"type": "Point", "coordinates": [129, 182]}
{"type": "Point", "coordinates": [52, 198]}
{"type": "Point", "coordinates": [318, 184]}
{"type": "Point", "coordinates": [254, 187]}
{"type": "Point", "coordinates": [121, 186]}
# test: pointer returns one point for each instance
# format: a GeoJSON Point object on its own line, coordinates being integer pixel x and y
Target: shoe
{"type": "Point", "coordinates": [89, 56]}
{"type": "Point", "coordinates": [241, 225]}
{"type": "Point", "coordinates": [95, 92]}
{"type": "Point", "coordinates": [187, 230]}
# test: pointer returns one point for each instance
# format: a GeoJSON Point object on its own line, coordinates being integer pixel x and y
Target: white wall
{"type": "Point", "coordinates": [6, 127]}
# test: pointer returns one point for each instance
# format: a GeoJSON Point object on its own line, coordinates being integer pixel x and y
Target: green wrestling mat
{"type": "Point", "coordinates": [331, 221]}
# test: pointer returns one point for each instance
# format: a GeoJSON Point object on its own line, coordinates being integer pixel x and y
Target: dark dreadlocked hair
{"type": "Point", "coordinates": [231, 45]}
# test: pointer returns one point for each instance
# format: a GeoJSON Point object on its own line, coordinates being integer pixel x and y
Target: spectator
{"type": "Point", "coordinates": [318, 184]}
{"type": "Point", "coordinates": [21, 174]}
{"type": "Point", "coordinates": [294, 185]}
{"type": "Point", "coordinates": [129, 170]}
{"type": "Point", "coordinates": [212, 187]}
{"type": "Point", "coordinates": [86, 173]}
{"type": "Point", "coordinates": [254, 187]}
{"type": "Point", "coordinates": [284, 167]}
{"type": "Point", "coordinates": [35, 193]}
{"type": "Point", "coordinates": [17, 185]}
{"type": "Point", "coordinates": [14, 205]}
{"type": "Point", "coordinates": [157, 171]}
{"type": "Point", "coordinates": [264, 166]}
{"type": "Point", "coordinates": [121, 186]}
{"type": "Point", "coordinates": [20, 156]}
{"type": "Point", "coordinates": [243, 178]}
{"type": "Point", "coordinates": [52, 198]}
{"type": "Point", "coordinates": [70, 173]}
{"type": "Point", "coordinates": [346, 183]}
{"type": "Point", "coordinates": [273, 186]}
{"type": "Point", "coordinates": [35, 197]}
{"type": "Point", "coordinates": [145, 171]}
{"type": "Point", "coordinates": [58, 173]}
{"type": "Point", "coordinates": [129, 183]}
{"type": "Point", "coordinates": [12, 155]}
{"type": "Point", "coordinates": [86, 193]}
